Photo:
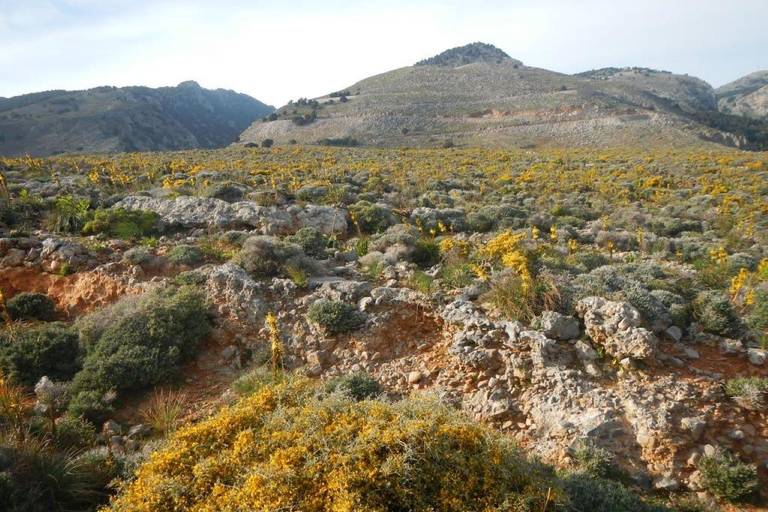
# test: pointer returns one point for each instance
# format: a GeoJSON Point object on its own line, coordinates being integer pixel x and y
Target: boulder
{"type": "Point", "coordinates": [617, 327]}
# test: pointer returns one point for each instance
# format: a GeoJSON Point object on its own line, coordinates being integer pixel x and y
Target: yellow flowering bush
{"type": "Point", "coordinates": [290, 446]}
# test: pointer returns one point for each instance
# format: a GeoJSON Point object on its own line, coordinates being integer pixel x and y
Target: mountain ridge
{"type": "Point", "coordinates": [135, 118]}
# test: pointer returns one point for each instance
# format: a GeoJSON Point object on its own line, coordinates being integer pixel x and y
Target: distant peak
{"type": "Point", "coordinates": [189, 84]}
{"type": "Point", "coordinates": [474, 52]}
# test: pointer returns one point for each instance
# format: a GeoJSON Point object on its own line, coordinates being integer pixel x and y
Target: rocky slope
{"type": "Point", "coordinates": [477, 95]}
{"type": "Point", "coordinates": [747, 96]}
{"type": "Point", "coordinates": [108, 119]}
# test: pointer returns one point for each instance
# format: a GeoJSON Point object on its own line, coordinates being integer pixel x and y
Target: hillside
{"type": "Point", "coordinates": [747, 96]}
{"type": "Point", "coordinates": [110, 119]}
{"type": "Point", "coordinates": [478, 96]}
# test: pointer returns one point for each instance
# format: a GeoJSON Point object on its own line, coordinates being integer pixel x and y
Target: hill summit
{"type": "Point", "coordinates": [468, 54]}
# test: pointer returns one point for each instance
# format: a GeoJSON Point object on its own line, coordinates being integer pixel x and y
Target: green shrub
{"type": "Point", "coordinates": [716, 315]}
{"type": "Point", "coordinates": [335, 316]}
{"type": "Point", "coordinates": [189, 278]}
{"type": "Point", "coordinates": [148, 346]}
{"type": "Point", "coordinates": [728, 478]}
{"type": "Point", "coordinates": [50, 349]}
{"type": "Point", "coordinates": [229, 192]}
{"type": "Point", "coordinates": [426, 253]}
{"type": "Point", "coordinates": [137, 256]}
{"type": "Point", "coordinates": [74, 432]}
{"type": "Point", "coordinates": [122, 224]}
{"type": "Point", "coordinates": [185, 255]}
{"type": "Point", "coordinates": [359, 386]}
{"type": "Point", "coordinates": [31, 306]}
{"type": "Point", "coordinates": [311, 241]}
{"type": "Point", "coordinates": [92, 405]}
{"type": "Point", "coordinates": [593, 461]}
{"type": "Point", "coordinates": [371, 218]}
{"type": "Point", "coordinates": [590, 260]}
{"type": "Point", "coordinates": [748, 392]}
{"type": "Point", "coordinates": [522, 300]}
{"type": "Point", "coordinates": [587, 493]}
{"type": "Point", "coordinates": [264, 257]}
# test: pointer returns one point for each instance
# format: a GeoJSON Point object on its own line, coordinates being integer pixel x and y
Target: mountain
{"type": "Point", "coordinates": [110, 119]}
{"type": "Point", "coordinates": [747, 96]}
{"type": "Point", "coordinates": [477, 95]}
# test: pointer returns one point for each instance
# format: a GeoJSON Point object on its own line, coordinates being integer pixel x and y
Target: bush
{"type": "Point", "coordinates": [371, 218]}
{"type": "Point", "coordinates": [92, 405]}
{"type": "Point", "coordinates": [148, 346]}
{"type": "Point", "coordinates": [748, 392]}
{"type": "Point", "coordinates": [137, 256]}
{"type": "Point", "coordinates": [522, 300]}
{"type": "Point", "coordinates": [122, 224]}
{"type": "Point", "coordinates": [185, 255]}
{"type": "Point", "coordinates": [716, 315]}
{"type": "Point", "coordinates": [228, 192]}
{"type": "Point", "coordinates": [311, 241]}
{"type": "Point", "coordinates": [426, 253]}
{"type": "Point", "coordinates": [285, 447]}
{"type": "Point", "coordinates": [51, 350]}
{"type": "Point", "coordinates": [31, 306]}
{"type": "Point", "coordinates": [593, 461]}
{"type": "Point", "coordinates": [587, 493]}
{"type": "Point", "coordinates": [264, 257]}
{"type": "Point", "coordinates": [335, 316]}
{"type": "Point", "coordinates": [73, 432]}
{"type": "Point", "coordinates": [728, 478]}
{"type": "Point", "coordinates": [359, 386]}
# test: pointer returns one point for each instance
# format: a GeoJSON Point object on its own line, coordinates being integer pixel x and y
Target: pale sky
{"type": "Point", "coordinates": [280, 50]}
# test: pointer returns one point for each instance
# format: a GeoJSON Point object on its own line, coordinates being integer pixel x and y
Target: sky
{"type": "Point", "coordinates": [278, 50]}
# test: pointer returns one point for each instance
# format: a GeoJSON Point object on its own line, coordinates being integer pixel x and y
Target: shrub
{"type": "Point", "coordinates": [523, 300]}
{"type": "Point", "coordinates": [148, 346]}
{"type": "Point", "coordinates": [92, 405]}
{"type": "Point", "coordinates": [335, 316]}
{"type": "Point", "coordinates": [74, 432]}
{"type": "Point", "coordinates": [589, 260]}
{"type": "Point", "coordinates": [264, 257]}
{"type": "Point", "coordinates": [748, 392]}
{"type": "Point", "coordinates": [137, 256]}
{"type": "Point", "coordinates": [426, 253]}
{"type": "Point", "coordinates": [185, 255]}
{"type": "Point", "coordinates": [49, 479]}
{"type": "Point", "coordinates": [587, 493]}
{"type": "Point", "coordinates": [228, 192]}
{"type": "Point", "coordinates": [285, 447]}
{"type": "Point", "coordinates": [31, 306]}
{"type": "Point", "coordinates": [728, 478]}
{"type": "Point", "coordinates": [122, 224]}
{"type": "Point", "coordinates": [359, 386]}
{"type": "Point", "coordinates": [311, 241]}
{"type": "Point", "coordinates": [51, 350]}
{"type": "Point", "coordinates": [593, 461]}
{"type": "Point", "coordinates": [716, 315]}
{"type": "Point", "coordinates": [371, 218]}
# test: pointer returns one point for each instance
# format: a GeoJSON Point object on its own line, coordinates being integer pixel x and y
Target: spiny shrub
{"type": "Point", "coordinates": [748, 392]}
{"type": "Point", "coordinates": [371, 218]}
{"type": "Point", "coordinates": [264, 257]}
{"type": "Point", "coordinates": [73, 432]}
{"type": "Point", "coordinates": [50, 349]}
{"type": "Point", "coordinates": [289, 447]}
{"type": "Point", "coordinates": [121, 223]}
{"type": "Point", "coordinates": [587, 493]}
{"type": "Point", "coordinates": [716, 315]}
{"type": "Point", "coordinates": [335, 316]}
{"type": "Point", "coordinates": [593, 461]}
{"type": "Point", "coordinates": [359, 386]}
{"type": "Point", "coordinates": [31, 306]}
{"type": "Point", "coordinates": [229, 192]}
{"type": "Point", "coordinates": [185, 255]}
{"type": "Point", "coordinates": [147, 346]}
{"type": "Point", "coordinates": [728, 478]}
{"type": "Point", "coordinates": [311, 241]}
